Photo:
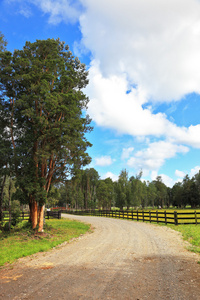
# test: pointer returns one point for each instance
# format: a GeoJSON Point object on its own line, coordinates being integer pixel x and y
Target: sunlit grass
{"type": "Point", "coordinates": [23, 241]}
{"type": "Point", "coordinates": [190, 233]}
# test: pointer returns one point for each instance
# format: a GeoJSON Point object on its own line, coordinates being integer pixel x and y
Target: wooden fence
{"type": "Point", "coordinates": [25, 215]}
{"type": "Point", "coordinates": [167, 217]}
{"type": "Point", "coordinates": [53, 214]}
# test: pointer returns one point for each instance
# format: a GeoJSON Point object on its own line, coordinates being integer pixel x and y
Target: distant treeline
{"type": "Point", "coordinates": [86, 190]}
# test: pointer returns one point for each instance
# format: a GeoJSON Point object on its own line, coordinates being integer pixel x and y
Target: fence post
{"type": "Point", "coordinates": [137, 216]}
{"type": "Point", "coordinates": [157, 216]}
{"type": "Point", "coordinates": [143, 215]}
{"type": "Point", "coordinates": [175, 218]}
{"type": "Point", "coordinates": [150, 216]}
{"type": "Point", "coordinates": [195, 217]}
{"type": "Point", "coordinates": [132, 214]}
{"type": "Point", "coordinates": [165, 217]}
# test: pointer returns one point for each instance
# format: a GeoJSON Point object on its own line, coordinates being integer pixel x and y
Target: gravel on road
{"type": "Point", "coordinates": [120, 259]}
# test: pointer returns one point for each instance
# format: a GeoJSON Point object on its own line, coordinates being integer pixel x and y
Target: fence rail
{"type": "Point", "coordinates": [25, 215]}
{"type": "Point", "coordinates": [174, 217]}
{"type": "Point", "coordinates": [53, 214]}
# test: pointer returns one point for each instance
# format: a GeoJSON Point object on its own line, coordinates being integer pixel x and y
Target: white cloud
{"type": "Point", "coordinates": [60, 10]}
{"type": "Point", "coordinates": [126, 152]}
{"type": "Point", "coordinates": [180, 174]}
{"type": "Point", "coordinates": [168, 181]}
{"type": "Point", "coordinates": [112, 107]}
{"type": "Point", "coordinates": [156, 43]}
{"type": "Point", "coordinates": [155, 155]}
{"type": "Point", "coordinates": [194, 171]}
{"type": "Point", "coordinates": [191, 173]}
{"type": "Point", "coordinates": [110, 175]}
{"type": "Point", "coordinates": [103, 161]}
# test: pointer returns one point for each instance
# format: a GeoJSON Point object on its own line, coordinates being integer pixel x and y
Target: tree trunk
{"type": "Point", "coordinates": [41, 218]}
{"type": "Point", "coordinates": [9, 201]}
{"type": "Point", "coordinates": [1, 198]}
{"type": "Point", "coordinates": [33, 213]}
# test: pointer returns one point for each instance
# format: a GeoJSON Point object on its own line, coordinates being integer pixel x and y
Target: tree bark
{"type": "Point", "coordinates": [33, 213]}
{"type": "Point", "coordinates": [1, 198]}
{"type": "Point", "coordinates": [9, 199]}
{"type": "Point", "coordinates": [41, 218]}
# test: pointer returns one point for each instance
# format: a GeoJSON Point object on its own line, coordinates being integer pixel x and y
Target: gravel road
{"type": "Point", "coordinates": [120, 259]}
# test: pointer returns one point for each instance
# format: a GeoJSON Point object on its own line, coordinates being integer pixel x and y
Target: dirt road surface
{"type": "Point", "coordinates": [120, 260]}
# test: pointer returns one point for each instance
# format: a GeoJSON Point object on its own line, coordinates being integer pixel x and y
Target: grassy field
{"type": "Point", "coordinates": [23, 241]}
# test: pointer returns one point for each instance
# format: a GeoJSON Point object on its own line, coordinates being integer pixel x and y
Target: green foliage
{"type": "Point", "coordinates": [161, 192]}
{"type": "Point", "coordinates": [121, 189]}
{"type": "Point", "coordinates": [105, 193]}
{"type": "Point", "coordinates": [187, 192]}
{"type": "Point", "coordinates": [3, 42]}
{"type": "Point", "coordinates": [53, 196]}
{"type": "Point", "coordinates": [15, 212]}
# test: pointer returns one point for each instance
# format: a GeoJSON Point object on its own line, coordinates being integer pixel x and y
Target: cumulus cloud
{"type": "Point", "coordinates": [103, 161]}
{"type": "Point", "coordinates": [110, 175]}
{"type": "Point", "coordinates": [156, 43]}
{"type": "Point", "coordinates": [168, 181]}
{"type": "Point", "coordinates": [180, 174]}
{"type": "Point", "coordinates": [112, 107]}
{"type": "Point", "coordinates": [155, 155]}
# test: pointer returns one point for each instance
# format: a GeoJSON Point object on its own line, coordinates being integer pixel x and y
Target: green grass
{"type": "Point", "coordinates": [190, 233]}
{"type": "Point", "coordinates": [22, 241]}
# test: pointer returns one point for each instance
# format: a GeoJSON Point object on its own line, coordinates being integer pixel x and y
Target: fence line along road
{"type": "Point", "coordinates": [175, 217]}
{"type": "Point", "coordinates": [25, 215]}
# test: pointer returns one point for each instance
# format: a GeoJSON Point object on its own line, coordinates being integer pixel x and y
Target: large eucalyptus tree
{"type": "Point", "coordinates": [44, 100]}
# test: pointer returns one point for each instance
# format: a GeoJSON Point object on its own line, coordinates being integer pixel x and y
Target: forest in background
{"type": "Point", "coordinates": [86, 190]}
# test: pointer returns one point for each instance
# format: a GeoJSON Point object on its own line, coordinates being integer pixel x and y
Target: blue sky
{"type": "Point", "coordinates": [143, 59]}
